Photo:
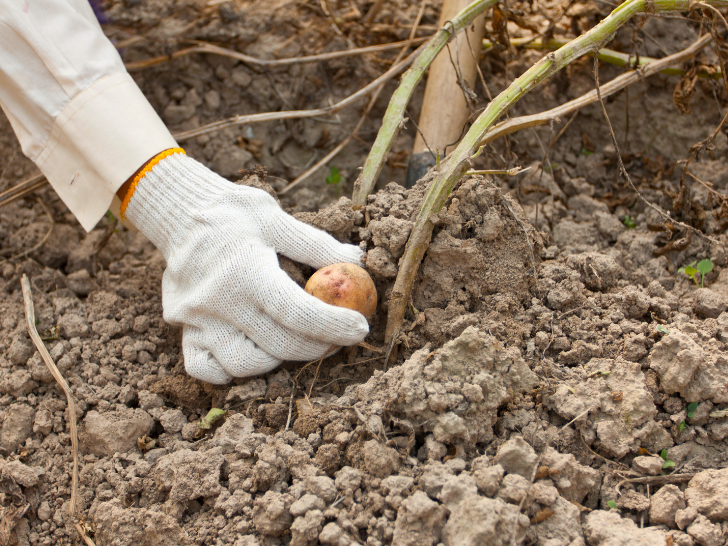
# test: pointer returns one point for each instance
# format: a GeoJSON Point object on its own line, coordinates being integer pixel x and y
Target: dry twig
{"type": "Point", "coordinates": [606, 55]}
{"type": "Point", "coordinates": [9, 518]}
{"type": "Point", "coordinates": [22, 189]}
{"type": "Point", "coordinates": [30, 322]}
{"type": "Point", "coordinates": [657, 480]}
{"type": "Point", "coordinates": [204, 47]}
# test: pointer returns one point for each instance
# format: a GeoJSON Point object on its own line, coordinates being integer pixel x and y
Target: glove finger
{"type": "Point", "coordinates": [199, 362]}
{"type": "Point", "coordinates": [288, 305]}
{"type": "Point", "coordinates": [308, 245]}
{"type": "Point", "coordinates": [220, 352]}
{"type": "Point", "coordinates": [283, 342]}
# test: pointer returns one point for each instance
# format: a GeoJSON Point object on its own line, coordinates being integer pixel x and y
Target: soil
{"type": "Point", "coordinates": [558, 380]}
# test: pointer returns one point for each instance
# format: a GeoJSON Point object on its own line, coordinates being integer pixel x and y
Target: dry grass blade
{"type": "Point", "coordinates": [658, 480]}
{"type": "Point", "coordinates": [30, 321]}
{"type": "Point", "coordinates": [204, 47]}
{"type": "Point", "coordinates": [298, 114]}
{"type": "Point", "coordinates": [373, 12]}
{"type": "Point", "coordinates": [22, 189]}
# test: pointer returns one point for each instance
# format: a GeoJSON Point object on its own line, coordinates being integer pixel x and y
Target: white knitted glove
{"type": "Point", "coordinates": [241, 314]}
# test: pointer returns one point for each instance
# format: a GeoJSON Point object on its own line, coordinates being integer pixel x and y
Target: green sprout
{"type": "Point", "coordinates": [613, 505]}
{"type": "Point", "coordinates": [629, 222]}
{"type": "Point", "coordinates": [681, 426]}
{"type": "Point", "coordinates": [667, 462]}
{"type": "Point", "coordinates": [662, 329]}
{"type": "Point", "coordinates": [703, 267]}
{"type": "Point", "coordinates": [691, 409]}
{"type": "Point", "coordinates": [214, 415]}
{"type": "Point", "coordinates": [334, 177]}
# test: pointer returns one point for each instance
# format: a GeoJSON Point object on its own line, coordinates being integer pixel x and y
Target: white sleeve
{"type": "Point", "coordinates": [76, 111]}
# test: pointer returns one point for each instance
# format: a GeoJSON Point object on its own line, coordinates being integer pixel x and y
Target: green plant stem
{"type": "Point", "coordinates": [457, 163]}
{"type": "Point", "coordinates": [605, 55]}
{"type": "Point", "coordinates": [394, 116]}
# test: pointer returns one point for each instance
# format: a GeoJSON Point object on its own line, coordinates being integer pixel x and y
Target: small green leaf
{"type": "Point", "coordinates": [214, 415]}
{"type": "Point", "coordinates": [691, 409]}
{"type": "Point", "coordinates": [629, 222]}
{"type": "Point", "coordinates": [662, 329]}
{"type": "Point", "coordinates": [681, 426]}
{"type": "Point", "coordinates": [586, 152]}
{"type": "Point", "coordinates": [705, 266]}
{"type": "Point", "coordinates": [690, 271]}
{"type": "Point", "coordinates": [334, 177]}
{"type": "Point", "coordinates": [612, 504]}
{"type": "Point", "coordinates": [667, 462]}
{"type": "Point", "coordinates": [605, 373]}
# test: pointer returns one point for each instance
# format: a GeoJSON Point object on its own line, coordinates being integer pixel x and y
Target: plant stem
{"type": "Point", "coordinates": [457, 163]}
{"type": "Point", "coordinates": [609, 56]}
{"type": "Point", "coordinates": [394, 117]}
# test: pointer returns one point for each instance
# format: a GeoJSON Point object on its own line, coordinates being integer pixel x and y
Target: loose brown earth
{"type": "Point", "coordinates": [522, 408]}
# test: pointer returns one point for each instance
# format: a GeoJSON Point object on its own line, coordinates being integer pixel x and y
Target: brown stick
{"type": "Point", "coordinates": [30, 322]}
{"type": "Point", "coordinates": [373, 12]}
{"type": "Point", "coordinates": [451, 70]}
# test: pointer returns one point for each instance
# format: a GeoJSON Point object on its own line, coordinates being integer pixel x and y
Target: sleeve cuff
{"type": "Point", "coordinates": [98, 141]}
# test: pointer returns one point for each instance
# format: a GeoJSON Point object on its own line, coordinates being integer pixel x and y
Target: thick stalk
{"type": "Point", "coordinates": [457, 163]}
{"type": "Point", "coordinates": [394, 116]}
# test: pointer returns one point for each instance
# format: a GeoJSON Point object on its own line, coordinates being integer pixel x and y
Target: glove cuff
{"type": "Point", "coordinates": [168, 194]}
{"type": "Point", "coordinates": [142, 173]}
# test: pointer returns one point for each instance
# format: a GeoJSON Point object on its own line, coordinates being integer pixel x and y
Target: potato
{"type": "Point", "coordinates": [344, 285]}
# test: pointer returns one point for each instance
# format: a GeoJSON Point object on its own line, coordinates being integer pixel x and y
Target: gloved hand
{"type": "Point", "coordinates": [241, 314]}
